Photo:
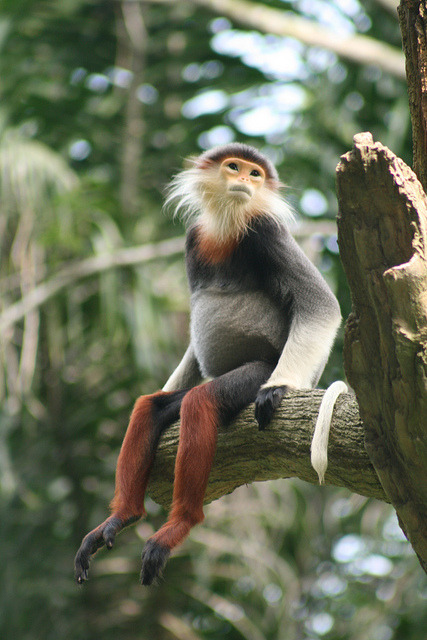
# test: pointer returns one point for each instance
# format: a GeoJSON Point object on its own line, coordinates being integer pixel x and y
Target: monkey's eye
{"type": "Point", "coordinates": [255, 173]}
{"type": "Point", "coordinates": [233, 166]}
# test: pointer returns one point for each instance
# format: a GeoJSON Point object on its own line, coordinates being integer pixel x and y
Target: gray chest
{"type": "Point", "coordinates": [231, 328]}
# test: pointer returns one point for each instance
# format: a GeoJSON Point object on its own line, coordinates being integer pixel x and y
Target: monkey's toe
{"type": "Point", "coordinates": [81, 566]}
{"type": "Point", "coordinates": [91, 543]}
{"type": "Point", "coordinates": [154, 558]}
{"type": "Point", "coordinates": [266, 403]}
{"type": "Point", "coordinates": [112, 527]}
{"type": "Point", "coordinates": [103, 535]}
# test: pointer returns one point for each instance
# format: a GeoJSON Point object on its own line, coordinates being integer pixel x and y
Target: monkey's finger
{"type": "Point", "coordinates": [266, 402]}
{"type": "Point", "coordinates": [278, 394]}
{"type": "Point", "coordinates": [264, 408]}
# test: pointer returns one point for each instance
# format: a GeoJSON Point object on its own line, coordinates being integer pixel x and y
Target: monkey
{"type": "Point", "coordinates": [262, 322]}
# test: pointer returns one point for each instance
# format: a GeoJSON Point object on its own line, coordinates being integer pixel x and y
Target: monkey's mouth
{"type": "Point", "coordinates": [241, 188]}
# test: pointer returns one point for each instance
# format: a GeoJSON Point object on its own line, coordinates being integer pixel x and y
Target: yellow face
{"type": "Point", "coordinates": [242, 178]}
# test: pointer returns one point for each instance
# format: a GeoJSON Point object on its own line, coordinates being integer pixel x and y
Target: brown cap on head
{"type": "Point", "coordinates": [238, 150]}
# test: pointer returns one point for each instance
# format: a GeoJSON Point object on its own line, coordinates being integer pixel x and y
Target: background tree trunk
{"type": "Point", "coordinates": [413, 25]}
{"type": "Point", "coordinates": [132, 41]}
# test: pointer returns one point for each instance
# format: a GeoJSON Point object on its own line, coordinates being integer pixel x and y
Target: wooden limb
{"type": "Point", "coordinates": [356, 48]}
{"type": "Point", "coordinates": [73, 272]}
{"type": "Point", "coordinates": [246, 455]}
{"type": "Point", "coordinates": [382, 233]}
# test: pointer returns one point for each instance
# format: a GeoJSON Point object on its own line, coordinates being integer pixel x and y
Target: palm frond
{"type": "Point", "coordinates": [30, 173]}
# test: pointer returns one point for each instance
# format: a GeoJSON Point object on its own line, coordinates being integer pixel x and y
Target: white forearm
{"type": "Point", "coordinates": [305, 353]}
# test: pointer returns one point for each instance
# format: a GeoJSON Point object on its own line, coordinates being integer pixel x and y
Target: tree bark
{"type": "Point", "coordinates": [246, 455]}
{"type": "Point", "coordinates": [382, 233]}
{"type": "Point", "coordinates": [413, 25]}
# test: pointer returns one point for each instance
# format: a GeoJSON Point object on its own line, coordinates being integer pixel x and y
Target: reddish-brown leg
{"type": "Point", "coordinates": [203, 409]}
{"type": "Point", "coordinates": [150, 417]}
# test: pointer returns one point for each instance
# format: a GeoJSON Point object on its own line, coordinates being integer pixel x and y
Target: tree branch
{"type": "Point", "coordinates": [246, 455]}
{"type": "Point", "coordinates": [356, 48]}
{"type": "Point", "coordinates": [71, 273]}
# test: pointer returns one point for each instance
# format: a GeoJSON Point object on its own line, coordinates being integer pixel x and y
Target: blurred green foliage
{"type": "Point", "coordinates": [91, 112]}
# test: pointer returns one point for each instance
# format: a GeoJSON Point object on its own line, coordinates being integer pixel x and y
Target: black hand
{"type": "Point", "coordinates": [266, 402]}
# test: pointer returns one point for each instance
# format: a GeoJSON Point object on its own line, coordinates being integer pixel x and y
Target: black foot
{"type": "Point", "coordinates": [103, 535]}
{"type": "Point", "coordinates": [154, 558]}
{"type": "Point", "coordinates": [266, 402]}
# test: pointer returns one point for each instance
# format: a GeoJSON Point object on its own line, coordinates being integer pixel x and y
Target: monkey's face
{"type": "Point", "coordinates": [242, 179]}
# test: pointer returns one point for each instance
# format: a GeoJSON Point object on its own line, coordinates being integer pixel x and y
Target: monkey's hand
{"type": "Point", "coordinates": [103, 535]}
{"type": "Point", "coordinates": [267, 400]}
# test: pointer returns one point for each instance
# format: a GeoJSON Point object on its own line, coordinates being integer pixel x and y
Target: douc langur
{"type": "Point", "coordinates": [263, 321]}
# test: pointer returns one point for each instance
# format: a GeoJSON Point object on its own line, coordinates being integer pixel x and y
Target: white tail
{"type": "Point", "coordinates": [319, 443]}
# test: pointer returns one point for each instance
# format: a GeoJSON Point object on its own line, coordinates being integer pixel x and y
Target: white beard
{"type": "Point", "coordinates": [223, 215]}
